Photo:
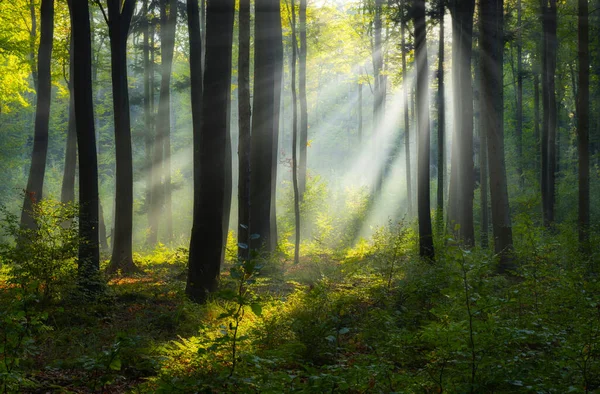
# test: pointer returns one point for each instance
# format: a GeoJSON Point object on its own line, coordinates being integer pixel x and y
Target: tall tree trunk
{"type": "Point", "coordinates": [549, 110]}
{"type": "Point", "coordinates": [295, 139]}
{"type": "Point", "coordinates": [264, 127]}
{"type": "Point", "coordinates": [162, 145]}
{"type": "Point", "coordinates": [441, 107]}
{"type": "Point", "coordinates": [377, 55]}
{"type": "Point", "coordinates": [35, 182]}
{"type": "Point", "coordinates": [583, 124]}
{"type": "Point", "coordinates": [492, 122]}
{"type": "Point", "coordinates": [244, 111]}
{"type": "Point", "coordinates": [278, 48]}
{"type": "Point", "coordinates": [207, 242]}
{"type": "Point", "coordinates": [483, 154]}
{"type": "Point", "coordinates": [303, 102]}
{"type": "Point", "coordinates": [423, 131]}
{"type": "Point", "coordinates": [67, 193]}
{"type": "Point", "coordinates": [536, 119]}
{"type": "Point", "coordinates": [519, 125]}
{"type": "Point", "coordinates": [462, 172]}
{"type": "Point", "coordinates": [360, 113]}
{"type": "Point", "coordinates": [406, 119]}
{"type": "Point", "coordinates": [148, 124]}
{"type": "Point", "coordinates": [119, 18]}
{"type": "Point", "coordinates": [89, 254]}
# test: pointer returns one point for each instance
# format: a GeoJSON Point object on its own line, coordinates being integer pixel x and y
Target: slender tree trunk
{"type": "Point", "coordinates": [360, 113]}
{"type": "Point", "coordinates": [278, 50]}
{"type": "Point", "coordinates": [483, 154]}
{"type": "Point", "coordinates": [492, 121]}
{"type": "Point", "coordinates": [264, 128]}
{"type": "Point", "coordinates": [536, 119]}
{"type": "Point", "coordinates": [244, 111]}
{"type": "Point", "coordinates": [583, 124]}
{"type": "Point", "coordinates": [89, 254]}
{"type": "Point", "coordinates": [423, 131]}
{"type": "Point", "coordinates": [295, 139]}
{"type": "Point", "coordinates": [162, 146]}
{"type": "Point", "coordinates": [519, 126]}
{"type": "Point", "coordinates": [303, 102]}
{"type": "Point", "coordinates": [377, 55]}
{"type": "Point", "coordinates": [148, 124]}
{"type": "Point", "coordinates": [122, 255]}
{"type": "Point", "coordinates": [207, 242]}
{"type": "Point", "coordinates": [67, 193]}
{"type": "Point", "coordinates": [441, 124]}
{"type": "Point", "coordinates": [405, 83]}
{"type": "Point", "coordinates": [549, 110]}
{"type": "Point", "coordinates": [32, 39]}
{"type": "Point", "coordinates": [35, 182]}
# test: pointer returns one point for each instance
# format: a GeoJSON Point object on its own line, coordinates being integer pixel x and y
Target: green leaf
{"type": "Point", "coordinates": [256, 309]}
{"type": "Point", "coordinates": [115, 364]}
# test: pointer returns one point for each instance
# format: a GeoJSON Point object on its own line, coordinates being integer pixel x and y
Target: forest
{"type": "Point", "coordinates": [299, 196]}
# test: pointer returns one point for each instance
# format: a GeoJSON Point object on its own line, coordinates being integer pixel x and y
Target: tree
{"type": "Point", "coordinates": [161, 195]}
{"type": "Point", "coordinates": [406, 117]}
{"type": "Point", "coordinates": [583, 123]}
{"type": "Point", "coordinates": [148, 124]}
{"type": "Point", "coordinates": [519, 114]}
{"type": "Point", "coordinates": [118, 20]}
{"type": "Point", "coordinates": [549, 122]}
{"type": "Point", "coordinates": [303, 102]}
{"type": "Point", "coordinates": [492, 122]}
{"type": "Point", "coordinates": [35, 182]}
{"type": "Point", "coordinates": [441, 107]}
{"type": "Point", "coordinates": [265, 122]}
{"type": "Point", "coordinates": [378, 88]}
{"type": "Point", "coordinates": [244, 111]}
{"type": "Point", "coordinates": [68, 185]}
{"type": "Point", "coordinates": [460, 204]}
{"type": "Point", "coordinates": [210, 142]}
{"type": "Point", "coordinates": [295, 138]}
{"type": "Point", "coordinates": [423, 131]}
{"type": "Point", "coordinates": [89, 254]}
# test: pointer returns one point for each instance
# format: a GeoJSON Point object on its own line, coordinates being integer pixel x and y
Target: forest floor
{"type": "Point", "coordinates": [371, 319]}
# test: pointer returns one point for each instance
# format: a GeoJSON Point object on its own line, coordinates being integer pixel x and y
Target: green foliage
{"type": "Point", "coordinates": [42, 259]}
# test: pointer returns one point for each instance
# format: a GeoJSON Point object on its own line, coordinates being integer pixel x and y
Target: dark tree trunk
{"type": "Point", "coordinates": [295, 139]}
{"type": "Point", "coordinates": [89, 254]}
{"type": "Point", "coordinates": [244, 111]}
{"type": "Point", "coordinates": [462, 171]}
{"type": "Point", "coordinates": [406, 119]}
{"type": "Point", "coordinates": [483, 154]}
{"type": "Point", "coordinates": [519, 125]}
{"type": "Point", "coordinates": [549, 110]}
{"type": "Point", "coordinates": [278, 47]}
{"type": "Point", "coordinates": [35, 182]}
{"type": "Point", "coordinates": [162, 144]}
{"type": "Point", "coordinates": [67, 193]}
{"type": "Point", "coordinates": [423, 131]}
{"type": "Point", "coordinates": [119, 18]}
{"type": "Point", "coordinates": [492, 122]}
{"type": "Point", "coordinates": [536, 119]}
{"type": "Point", "coordinates": [263, 149]}
{"type": "Point", "coordinates": [210, 144]}
{"type": "Point", "coordinates": [441, 160]}
{"type": "Point", "coordinates": [583, 124]}
{"type": "Point", "coordinates": [303, 102]}
{"type": "Point", "coordinates": [377, 56]}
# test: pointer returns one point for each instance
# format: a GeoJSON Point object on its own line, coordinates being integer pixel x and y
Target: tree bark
{"type": "Point", "coordinates": [264, 128]}
{"type": "Point", "coordinates": [441, 160]}
{"type": "Point", "coordinates": [423, 131]}
{"type": "Point", "coordinates": [89, 254]}
{"type": "Point", "coordinates": [492, 121]}
{"type": "Point", "coordinates": [302, 166]}
{"type": "Point", "coordinates": [207, 241]}
{"type": "Point", "coordinates": [67, 193]}
{"type": "Point", "coordinates": [295, 139]}
{"type": "Point", "coordinates": [119, 18]}
{"type": "Point", "coordinates": [148, 124]}
{"type": "Point", "coordinates": [35, 182]}
{"type": "Point", "coordinates": [549, 110]}
{"type": "Point", "coordinates": [244, 111]}
{"type": "Point", "coordinates": [462, 172]}
{"type": "Point", "coordinates": [519, 125]}
{"type": "Point", "coordinates": [406, 119]}
{"type": "Point", "coordinates": [583, 124]}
